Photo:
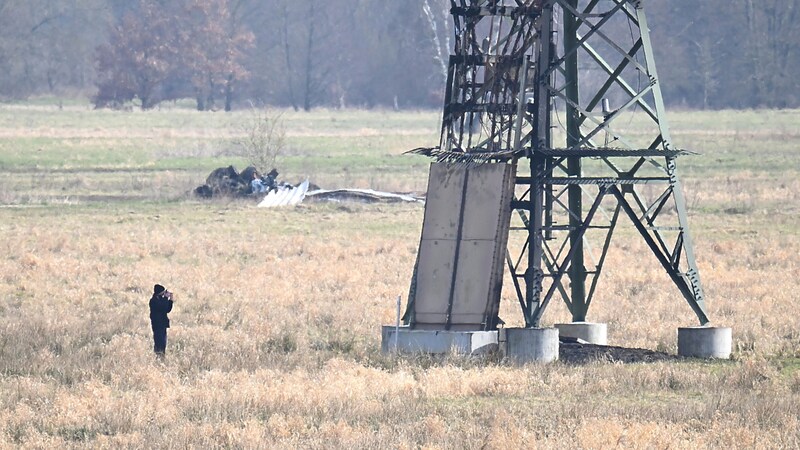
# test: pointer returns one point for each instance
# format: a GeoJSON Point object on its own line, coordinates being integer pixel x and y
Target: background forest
{"type": "Point", "coordinates": [222, 54]}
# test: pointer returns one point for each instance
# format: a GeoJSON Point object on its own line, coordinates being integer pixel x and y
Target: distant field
{"type": "Point", "coordinates": [275, 339]}
{"type": "Point", "coordinates": [162, 154]}
{"type": "Point", "coordinates": [77, 151]}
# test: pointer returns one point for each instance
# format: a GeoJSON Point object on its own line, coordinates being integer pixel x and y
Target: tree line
{"type": "Point", "coordinates": [356, 53]}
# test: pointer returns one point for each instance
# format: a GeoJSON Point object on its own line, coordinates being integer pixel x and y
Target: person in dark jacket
{"type": "Point", "coordinates": [160, 305]}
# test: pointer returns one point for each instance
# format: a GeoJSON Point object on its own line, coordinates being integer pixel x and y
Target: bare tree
{"type": "Point", "coordinates": [48, 45]}
{"type": "Point", "coordinates": [367, 53]}
{"type": "Point", "coordinates": [310, 63]}
{"type": "Point", "coordinates": [772, 46]}
{"type": "Point", "coordinates": [438, 19]}
{"type": "Point", "coordinates": [264, 139]}
{"type": "Point", "coordinates": [287, 52]}
{"type": "Point", "coordinates": [311, 40]}
{"type": "Point", "coordinates": [709, 56]}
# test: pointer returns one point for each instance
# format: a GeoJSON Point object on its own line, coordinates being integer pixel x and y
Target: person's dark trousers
{"type": "Point", "coordinates": [159, 340]}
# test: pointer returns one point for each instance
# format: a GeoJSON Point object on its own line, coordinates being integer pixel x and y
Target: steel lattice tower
{"type": "Point", "coordinates": [532, 83]}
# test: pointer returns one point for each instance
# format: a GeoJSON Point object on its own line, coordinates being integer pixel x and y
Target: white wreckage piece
{"type": "Point", "coordinates": [360, 196]}
{"type": "Point", "coordinates": [285, 196]}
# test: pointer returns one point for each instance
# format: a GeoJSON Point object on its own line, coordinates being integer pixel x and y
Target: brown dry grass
{"type": "Point", "coordinates": [275, 338]}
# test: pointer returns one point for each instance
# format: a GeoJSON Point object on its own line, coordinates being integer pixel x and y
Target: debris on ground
{"type": "Point", "coordinates": [360, 196]}
{"type": "Point", "coordinates": [582, 353]}
{"type": "Point", "coordinates": [228, 182]}
{"type": "Point", "coordinates": [293, 196]}
{"type": "Point", "coordinates": [285, 196]}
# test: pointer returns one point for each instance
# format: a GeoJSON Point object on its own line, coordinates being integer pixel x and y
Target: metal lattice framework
{"type": "Point", "coordinates": [535, 80]}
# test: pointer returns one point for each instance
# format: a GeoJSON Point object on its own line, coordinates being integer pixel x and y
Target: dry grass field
{"type": "Point", "coordinates": [276, 329]}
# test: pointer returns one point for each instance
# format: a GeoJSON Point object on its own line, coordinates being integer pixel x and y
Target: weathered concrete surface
{"type": "Point", "coordinates": [437, 341]}
{"type": "Point", "coordinates": [589, 332]}
{"type": "Point", "coordinates": [705, 342]}
{"type": "Point", "coordinates": [524, 345]}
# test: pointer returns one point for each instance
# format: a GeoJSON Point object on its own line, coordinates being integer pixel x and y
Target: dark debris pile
{"type": "Point", "coordinates": [578, 353]}
{"type": "Point", "coordinates": [227, 182]}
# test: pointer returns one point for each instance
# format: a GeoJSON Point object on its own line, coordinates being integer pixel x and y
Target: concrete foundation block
{"type": "Point", "coordinates": [592, 333]}
{"type": "Point", "coordinates": [437, 341]}
{"type": "Point", "coordinates": [525, 345]}
{"type": "Point", "coordinates": [705, 342]}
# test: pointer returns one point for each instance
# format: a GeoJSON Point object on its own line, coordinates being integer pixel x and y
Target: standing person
{"type": "Point", "coordinates": [160, 305]}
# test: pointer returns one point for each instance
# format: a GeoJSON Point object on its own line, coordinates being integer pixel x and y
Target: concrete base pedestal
{"type": "Point", "coordinates": [437, 341]}
{"type": "Point", "coordinates": [525, 345]}
{"type": "Point", "coordinates": [592, 333]}
{"type": "Point", "coordinates": [705, 342]}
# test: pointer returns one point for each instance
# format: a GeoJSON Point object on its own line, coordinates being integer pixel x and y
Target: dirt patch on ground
{"type": "Point", "coordinates": [576, 353]}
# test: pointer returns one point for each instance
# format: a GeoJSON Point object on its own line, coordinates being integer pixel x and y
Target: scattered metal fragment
{"type": "Point", "coordinates": [285, 196]}
{"type": "Point", "coordinates": [361, 196]}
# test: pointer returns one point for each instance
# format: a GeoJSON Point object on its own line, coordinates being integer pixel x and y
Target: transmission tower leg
{"type": "Point", "coordinates": [577, 271]}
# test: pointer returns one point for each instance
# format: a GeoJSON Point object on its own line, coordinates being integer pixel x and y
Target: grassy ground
{"type": "Point", "coordinates": [275, 338]}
